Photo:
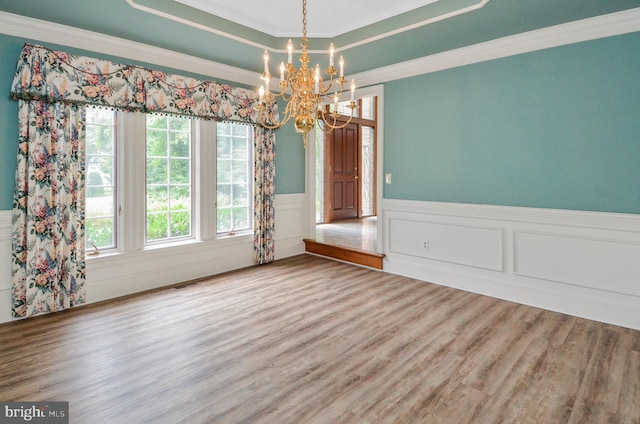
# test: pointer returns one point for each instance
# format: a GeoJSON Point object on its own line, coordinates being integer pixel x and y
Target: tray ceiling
{"type": "Point", "coordinates": [325, 19]}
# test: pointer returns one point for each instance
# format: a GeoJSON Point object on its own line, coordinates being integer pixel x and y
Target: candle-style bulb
{"type": "Point", "coordinates": [332, 51]}
{"type": "Point", "coordinates": [353, 90]}
{"type": "Point", "coordinates": [341, 66]}
{"type": "Point", "coordinates": [265, 58]}
{"type": "Point", "coordinates": [290, 51]}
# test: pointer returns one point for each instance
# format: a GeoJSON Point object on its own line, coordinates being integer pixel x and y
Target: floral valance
{"type": "Point", "coordinates": [57, 76]}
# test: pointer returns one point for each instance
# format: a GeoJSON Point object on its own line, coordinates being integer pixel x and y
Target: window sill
{"type": "Point", "coordinates": [239, 237]}
{"type": "Point", "coordinates": [239, 234]}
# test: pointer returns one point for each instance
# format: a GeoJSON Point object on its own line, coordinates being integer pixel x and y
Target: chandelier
{"type": "Point", "coordinates": [305, 90]}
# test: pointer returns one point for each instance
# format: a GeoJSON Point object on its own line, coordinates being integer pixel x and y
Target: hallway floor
{"type": "Point", "coordinates": [355, 233]}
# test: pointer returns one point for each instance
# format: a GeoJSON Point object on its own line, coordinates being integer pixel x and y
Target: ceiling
{"type": "Point", "coordinates": [325, 19]}
{"type": "Point", "coordinates": [388, 32]}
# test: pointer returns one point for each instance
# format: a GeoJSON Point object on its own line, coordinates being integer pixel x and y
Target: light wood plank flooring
{"type": "Point", "coordinates": [310, 340]}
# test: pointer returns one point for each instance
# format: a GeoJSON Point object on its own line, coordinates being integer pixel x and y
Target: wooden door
{"type": "Point", "coordinates": [342, 189]}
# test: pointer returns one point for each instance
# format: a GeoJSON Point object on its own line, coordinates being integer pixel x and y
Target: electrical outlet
{"type": "Point", "coordinates": [425, 245]}
{"type": "Point", "coordinates": [387, 178]}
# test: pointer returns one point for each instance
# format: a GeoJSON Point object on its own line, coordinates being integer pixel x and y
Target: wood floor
{"type": "Point", "coordinates": [309, 340]}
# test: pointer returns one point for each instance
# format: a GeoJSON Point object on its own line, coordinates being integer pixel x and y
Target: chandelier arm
{"type": "Point", "coordinates": [304, 91]}
{"type": "Point", "coordinates": [322, 90]}
{"type": "Point", "coordinates": [275, 126]}
{"type": "Point", "coordinates": [323, 118]}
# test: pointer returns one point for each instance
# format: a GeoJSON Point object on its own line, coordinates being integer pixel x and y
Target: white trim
{"type": "Point", "coordinates": [310, 178]}
{"type": "Point", "coordinates": [280, 20]}
{"type": "Point", "coordinates": [574, 262]}
{"type": "Point", "coordinates": [564, 217]}
{"type": "Point", "coordinates": [425, 22]}
{"type": "Point", "coordinates": [196, 25]}
{"type": "Point", "coordinates": [5, 265]}
{"type": "Point", "coordinates": [588, 29]}
{"type": "Point", "coordinates": [5, 223]}
{"type": "Point", "coordinates": [449, 15]}
{"type": "Point", "coordinates": [38, 30]}
{"type": "Point", "coordinates": [573, 32]}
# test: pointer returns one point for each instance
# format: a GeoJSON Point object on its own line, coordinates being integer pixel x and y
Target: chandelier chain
{"type": "Point", "coordinates": [304, 18]}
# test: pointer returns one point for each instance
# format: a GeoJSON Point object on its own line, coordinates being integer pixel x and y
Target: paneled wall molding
{"type": "Point", "coordinates": [115, 275]}
{"type": "Point", "coordinates": [575, 262]}
{"type": "Point", "coordinates": [573, 32]}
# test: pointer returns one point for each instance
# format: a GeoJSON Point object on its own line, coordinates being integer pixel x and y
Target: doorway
{"type": "Point", "coordinates": [347, 163]}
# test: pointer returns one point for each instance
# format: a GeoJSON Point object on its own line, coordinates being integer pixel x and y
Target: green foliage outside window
{"type": "Point", "coordinates": [100, 178]}
{"type": "Point", "coordinates": [168, 177]}
{"type": "Point", "coordinates": [233, 177]}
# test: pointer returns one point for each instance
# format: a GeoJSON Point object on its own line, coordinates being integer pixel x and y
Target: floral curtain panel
{"type": "Point", "coordinates": [48, 264]}
{"type": "Point", "coordinates": [264, 217]}
{"type": "Point", "coordinates": [52, 86]}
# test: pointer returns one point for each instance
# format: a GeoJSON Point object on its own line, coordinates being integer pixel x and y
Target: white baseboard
{"type": "Point", "coordinates": [579, 263]}
{"type": "Point", "coordinates": [111, 276]}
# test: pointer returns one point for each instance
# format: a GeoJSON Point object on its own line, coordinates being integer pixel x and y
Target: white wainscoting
{"type": "Point", "coordinates": [111, 276]}
{"type": "Point", "coordinates": [585, 264]}
{"type": "Point", "coordinates": [5, 266]}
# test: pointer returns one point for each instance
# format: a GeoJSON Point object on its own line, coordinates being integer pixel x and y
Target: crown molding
{"type": "Point", "coordinates": [445, 16]}
{"type": "Point", "coordinates": [44, 31]}
{"type": "Point", "coordinates": [573, 32]}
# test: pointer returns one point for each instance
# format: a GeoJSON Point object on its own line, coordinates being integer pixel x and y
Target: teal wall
{"type": "Point", "coordinates": [289, 150]}
{"type": "Point", "coordinates": [558, 128]}
{"type": "Point", "coordinates": [9, 49]}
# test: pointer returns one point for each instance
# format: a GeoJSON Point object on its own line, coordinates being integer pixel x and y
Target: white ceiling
{"type": "Point", "coordinates": [325, 18]}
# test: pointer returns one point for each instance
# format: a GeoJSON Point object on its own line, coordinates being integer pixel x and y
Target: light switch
{"type": "Point", "coordinates": [387, 178]}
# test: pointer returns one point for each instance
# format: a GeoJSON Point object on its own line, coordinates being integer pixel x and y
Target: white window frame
{"type": "Point", "coordinates": [193, 235]}
{"type": "Point", "coordinates": [250, 188]}
{"type": "Point", "coordinates": [131, 188]}
{"type": "Point", "coordinates": [116, 188]}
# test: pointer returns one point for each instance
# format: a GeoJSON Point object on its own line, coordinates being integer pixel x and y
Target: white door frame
{"type": "Point", "coordinates": [310, 167]}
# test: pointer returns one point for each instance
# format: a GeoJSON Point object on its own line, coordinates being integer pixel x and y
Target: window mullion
{"type": "Point", "coordinates": [205, 179]}
{"type": "Point", "coordinates": [132, 180]}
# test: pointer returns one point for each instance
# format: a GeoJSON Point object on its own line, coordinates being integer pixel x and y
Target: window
{"type": "Point", "coordinates": [234, 177]}
{"type": "Point", "coordinates": [368, 170]}
{"type": "Point", "coordinates": [168, 187]}
{"type": "Point", "coordinates": [147, 187]}
{"type": "Point", "coordinates": [368, 108]}
{"type": "Point", "coordinates": [100, 178]}
{"type": "Point", "coordinates": [343, 109]}
{"type": "Point", "coordinates": [320, 152]}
